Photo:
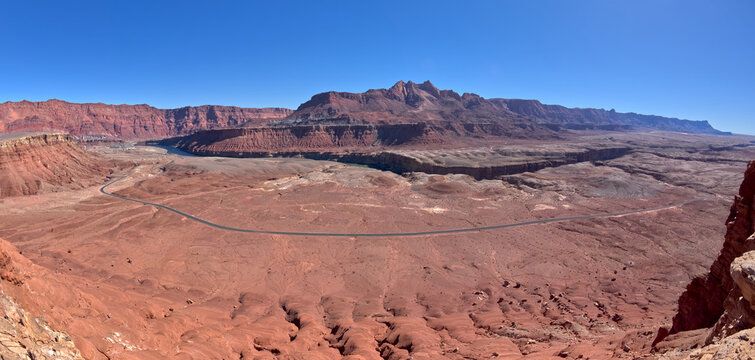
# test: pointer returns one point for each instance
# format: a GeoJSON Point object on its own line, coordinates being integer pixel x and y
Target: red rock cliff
{"type": "Point", "coordinates": [127, 121]}
{"type": "Point", "coordinates": [702, 304]}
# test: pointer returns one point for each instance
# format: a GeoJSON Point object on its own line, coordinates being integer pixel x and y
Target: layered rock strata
{"type": "Point", "coordinates": [103, 121]}
{"type": "Point", "coordinates": [34, 162]}
{"type": "Point", "coordinates": [369, 145]}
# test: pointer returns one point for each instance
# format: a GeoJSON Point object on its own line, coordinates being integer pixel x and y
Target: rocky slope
{"type": "Point", "coordinates": [35, 162]}
{"type": "Point", "coordinates": [24, 335]}
{"type": "Point", "coordinates": [127, 121]}
{"type": "Point", "coordinates": [410, 102]}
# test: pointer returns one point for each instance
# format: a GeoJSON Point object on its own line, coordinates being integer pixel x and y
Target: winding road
{"type": "Point", "coordinates": [398, 234]}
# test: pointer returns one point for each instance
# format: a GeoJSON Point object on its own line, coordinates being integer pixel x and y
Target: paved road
{"type": "Point", "coordinates": [399, 234]}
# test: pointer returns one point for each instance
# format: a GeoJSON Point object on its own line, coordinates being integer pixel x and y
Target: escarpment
{"type": "Point", "coordinates": [305, 138]}
{"type": "Point", "coordinates": [34, 162]}
{"type": "Point", "coordinates": [387, 147]}
{"type": "Point", "coordinates": [127, 121]}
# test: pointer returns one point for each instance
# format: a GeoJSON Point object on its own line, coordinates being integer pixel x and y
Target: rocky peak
{"type": "Point", "coordinates": [398, 90]}
{"type": "Point", "coordinates": [399, 85]}
{"type": "Point", "coordinates": [428, 87]}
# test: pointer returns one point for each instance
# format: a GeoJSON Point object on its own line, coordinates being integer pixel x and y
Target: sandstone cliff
{"type": "Point", "coordinates": [127, 121]}
{"type": "Point", "coordinates": [722, 303]}
{"type": "Point", "coordinates": [702, 303]}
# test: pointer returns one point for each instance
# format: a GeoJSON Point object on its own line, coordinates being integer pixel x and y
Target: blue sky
{"type": "Point", "coordinates": [688, 58]}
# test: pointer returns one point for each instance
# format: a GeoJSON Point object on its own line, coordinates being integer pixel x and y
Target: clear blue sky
{"type": "Point", "coordinates": [692, 59]}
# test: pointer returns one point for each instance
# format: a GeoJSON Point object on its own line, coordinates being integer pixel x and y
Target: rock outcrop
{"type": "Point", "coordinates": [702, 303]}
{"type": "Point", "coordinates": [739, 305]}
{"type": "Point", "coordinates": [724, 299]}
{"type": "Point", "coordinates": [127, 121]}
{"type": "Point", "coordinates": [733, 336]}
{"type": "Point", "coordinates": [34, 162]}
{"type": "Point", "coordinates": [743, 274]}
{"type": "Point", "coordinates": [27, 334]}
{"type": "Point", "coordinates": [740, 346]}
{"type": "Point", "coordinates": [26, 337]}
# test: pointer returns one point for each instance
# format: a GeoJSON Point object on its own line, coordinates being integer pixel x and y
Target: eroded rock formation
{"type": "Point", "coordinates": [24, 336]}
{"type": "Point", "coordinates": [34, 162]}
{"type": "Point", "coordinates": [702, 303]}
{"type": "Point", "coordinates": [411, 102]}
{"type": "Point", "coordinates": [718, 310]}
{"type": "Point", "coordinates": [739, 305]}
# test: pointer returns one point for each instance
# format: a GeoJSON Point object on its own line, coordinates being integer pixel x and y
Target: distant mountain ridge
{"type": "Point", "coordinates": [573, 117]}
{"type": "Point", "coordinates": [403, 103]}
{"type": "Point", "coordinates": [412, 102]}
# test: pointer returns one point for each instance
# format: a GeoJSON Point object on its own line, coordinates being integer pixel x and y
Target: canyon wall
{"type": "Point", "coordinates": [369, 145]}
{"type": "Point", "coordinates": [127, 121]}
{"type": "Point", "coordinates": [306, 138]}
{"type": "Point", "coordinates": [406, 161]}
